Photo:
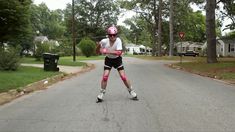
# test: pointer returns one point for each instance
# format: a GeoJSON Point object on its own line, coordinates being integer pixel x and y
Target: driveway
{"type": "Point", "coordinates": [170, 100]}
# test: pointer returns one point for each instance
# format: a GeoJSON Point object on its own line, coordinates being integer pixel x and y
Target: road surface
{"type": "Point", "coordinates": [170, 100]}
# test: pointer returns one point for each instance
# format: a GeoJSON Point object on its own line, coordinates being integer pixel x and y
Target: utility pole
{"type": "Point", "coordinates": [73, 33]}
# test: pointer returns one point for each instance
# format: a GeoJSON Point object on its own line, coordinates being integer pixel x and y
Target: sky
{"type": "Point", "coordinates": [54, 4]}
{"type": "Point", "coordinates": [61, 4]}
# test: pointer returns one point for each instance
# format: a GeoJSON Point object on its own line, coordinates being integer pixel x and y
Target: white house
{"type": "Point", "coordinates": [182, 47]}
{"type": "Point", "coordinates": [41, 39]}
{"type": "Point", "coordinates": [227, 47]}
{"type": "Point", "coordinates": [45, 40]}
{"type": "Point", "coordinates": [224, 47]}
{"type": "Point", "coordinates": [137, 49]}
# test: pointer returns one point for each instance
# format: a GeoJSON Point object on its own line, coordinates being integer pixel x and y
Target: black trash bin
{"type": "Point", "coordinates": [50, 62]}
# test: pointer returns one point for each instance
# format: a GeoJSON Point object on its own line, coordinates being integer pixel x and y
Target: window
{"type": "Point", "coordinates": [231, 48]}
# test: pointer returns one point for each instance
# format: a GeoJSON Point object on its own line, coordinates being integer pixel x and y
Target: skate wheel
{"type": "Point", "coordinates": [99, 100]}
{"type": "Point", "coordinates": [135, 98]}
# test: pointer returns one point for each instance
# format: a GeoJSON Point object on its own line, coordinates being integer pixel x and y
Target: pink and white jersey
{"type": "Point", "coordinates": [105, 43]}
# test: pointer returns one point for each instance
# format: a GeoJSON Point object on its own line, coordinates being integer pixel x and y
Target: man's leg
{"type": "Point", "coordinates": [127, 83]}
{"type": "Point", "coordinates": [124, 78]}
{"type": "Point", "coordinates": [104, 82]}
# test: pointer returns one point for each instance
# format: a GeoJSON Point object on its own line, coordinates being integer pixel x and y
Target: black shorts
{"type": "Point", "coordinates": [113, 62]}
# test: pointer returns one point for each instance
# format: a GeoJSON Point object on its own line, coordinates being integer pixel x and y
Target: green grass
{"type": "Point", "coordinates": [26, 75]}
{"type": "Point", "coordinates": [22, 77]}
{"type": "Point", "coordinates": [172, 58]}
{"type": "Point", "coordinates": [224, 69]}
{"type": "Point", "coordinates": [66, 61]}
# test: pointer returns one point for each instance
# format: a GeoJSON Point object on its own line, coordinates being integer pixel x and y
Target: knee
{"type": "Point", "coordinates": [123, 77]}
{"type": "Point", "coordinates": [105, 78]}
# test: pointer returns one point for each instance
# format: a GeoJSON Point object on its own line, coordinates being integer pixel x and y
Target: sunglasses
{"type": "Point", "coordinates": [112, 35]}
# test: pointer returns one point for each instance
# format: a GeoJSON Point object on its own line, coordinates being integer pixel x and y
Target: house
{"type": "Point", "coordinates": [41, 39]}
{"type": "Point", "coordinates": [227, 47]}
{"type": "Point", "coordinates": [182, 47]}
{"type": "Point", "coordinates": [44, 40]}
{"type": "Point", "coordinates": [138, 49]}
{"type": "Point", "coordinates": [224, 47]}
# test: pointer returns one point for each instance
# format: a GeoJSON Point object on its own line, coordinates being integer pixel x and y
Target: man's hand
{"type": "Point", "coordinates": [118, 52]}
{"type": "Point", "coordinates": [103, 51]}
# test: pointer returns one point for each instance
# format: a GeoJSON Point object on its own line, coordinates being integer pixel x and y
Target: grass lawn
{"type": "Point", "coordinates": [66, 61]}
{"type": "Point", "coordinates": [224, 69]}
{"type": "Point", "coordinates": [26, 75]}
{"type": "Point", "coordinates": [22, 77]}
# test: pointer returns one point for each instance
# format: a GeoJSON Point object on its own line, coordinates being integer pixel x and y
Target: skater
{"type": "Point", "coordinates": [112, 48]}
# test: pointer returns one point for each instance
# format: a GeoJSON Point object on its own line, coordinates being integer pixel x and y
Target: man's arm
{"type": "Point", "coordinates": [106, 51]}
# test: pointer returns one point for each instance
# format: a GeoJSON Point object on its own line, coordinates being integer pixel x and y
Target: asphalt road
{"type": "Point", "coordinates": [170, 100]}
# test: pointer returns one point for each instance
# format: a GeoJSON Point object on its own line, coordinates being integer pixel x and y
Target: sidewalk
{"type": "Point", "coordinates": [65, 69]}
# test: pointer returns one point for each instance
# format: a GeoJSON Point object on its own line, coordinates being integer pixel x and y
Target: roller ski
{"type": "Point", "coordinates": [133, 95]}
{"type": "Point", "coordinates": [100, 96]}
{"type": "Point", "coordinates": [98, 100]}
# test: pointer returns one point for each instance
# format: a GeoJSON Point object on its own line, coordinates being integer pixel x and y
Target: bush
{"type": "Point", "coordinates": [87, 47]}
{"type": "Point", "coordinates": [40, 49]}
{"type": "Point", "coordinates": [10, 58]}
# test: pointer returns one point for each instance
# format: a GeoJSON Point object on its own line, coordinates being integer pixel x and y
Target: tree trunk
{"type": "Point", "coordinates": [171, 46]}
{"type": "Point", "coordinates": [160, 28]}
{"type": "Point", "coordinates": [210, 31]}
{"type": "Point", "coordinates": [154, 41]}
{"type": "Point", "coordinates": [154, 30]}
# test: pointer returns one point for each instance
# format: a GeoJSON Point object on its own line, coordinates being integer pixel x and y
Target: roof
{"type": "Point", "coordinates": [41, 38]}
{"type": "Point", "coordinates": [189, 44]}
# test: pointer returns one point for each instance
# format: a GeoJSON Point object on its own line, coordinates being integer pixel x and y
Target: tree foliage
{"type": "Point", "coordinates": [92, 17]}
{"type": "Point", "coordinates": [47, 23]}
{"type": "Point", "coordinates": [184, 20]}
{"type": "Point", "coordinates": [9, 59]}
{"type": "Point", "coordinates": [14, 21]}
{"type": "Point", "coordinates": [87, 46]}
{"type": "Point", "coordinates": [229, 11]}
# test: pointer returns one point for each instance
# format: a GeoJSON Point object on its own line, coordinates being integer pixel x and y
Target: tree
{"type": "Point", "coordinates": [48, 23]}
{"type": "Point", "coordinates": [14, 21]}
{"type": "Point", "coordinates": [192, 23]}
{"type": "Point", "coordinates": [171, 22]}
{"type": "Point", "coordinates": [229, 12]}
{"type": "Point", "coordinates": [210, 31]}
{"type": "Point", "coordinates": [159, 27]}
{"type": "Point", "coordinates": [149, 11]}
{"type": "Point", "coordinates": [138, 32]}
{"type": "Point", "coordinates": [92, 17]}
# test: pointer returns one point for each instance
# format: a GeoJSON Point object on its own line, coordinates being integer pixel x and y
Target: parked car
{"type": "Point", "coordinates": [189, 53]}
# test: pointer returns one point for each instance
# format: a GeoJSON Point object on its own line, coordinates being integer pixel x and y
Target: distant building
{"type": "Point", "coordinates": [137, 49]}
{"type": "Point", "coordinates": [182, 47]}
{"type": "Point", "coordinates": [45, 40]}
{"type": "Point", "coordinates": [41, 39]}
{"type": "Point", "coordinates": [224, 47]}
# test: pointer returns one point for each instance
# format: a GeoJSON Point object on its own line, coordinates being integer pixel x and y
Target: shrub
{"type": "Point", "coordinates": [40, 49]}
{"type": "Point", "coordinates": [10, 58]}
{"type": "Point", "coordinates": [87, 47]}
